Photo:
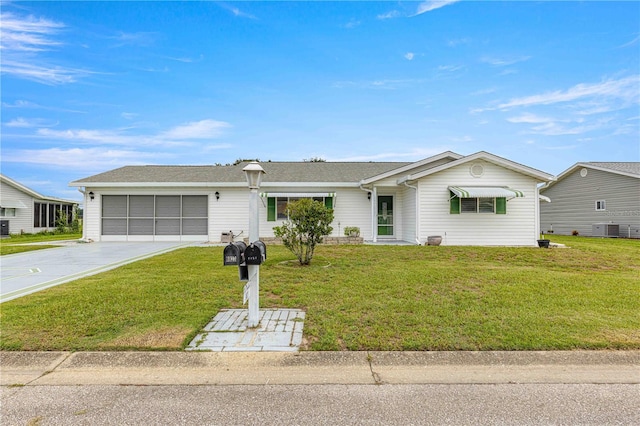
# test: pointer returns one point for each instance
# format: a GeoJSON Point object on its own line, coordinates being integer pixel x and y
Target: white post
{"type": "Point", "coordinates": [254, 270]}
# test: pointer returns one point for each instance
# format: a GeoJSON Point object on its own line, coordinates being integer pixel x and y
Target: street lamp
{"type": "Point", "coordinates": [253, 172]}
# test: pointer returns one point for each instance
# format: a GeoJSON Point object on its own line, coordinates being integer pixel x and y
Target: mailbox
{"type": "Point", "coordinates": [234, 253]}
{"type": "Point", "coordinates": [243, 272]}
{"type": "Point", "coordinates": [256, 253]}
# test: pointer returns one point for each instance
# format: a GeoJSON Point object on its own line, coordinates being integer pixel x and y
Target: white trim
{"type": "Point", "coordinates": [298, 194]}
{"type": "Point", "coordinates": [448, 154]}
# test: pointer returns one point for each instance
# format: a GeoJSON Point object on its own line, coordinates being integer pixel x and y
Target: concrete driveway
{"type": "Point", "coordinates": [25, 273]}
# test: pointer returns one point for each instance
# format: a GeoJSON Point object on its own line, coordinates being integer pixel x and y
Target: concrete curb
{"type": "Point", "coordinates": [259, 368]}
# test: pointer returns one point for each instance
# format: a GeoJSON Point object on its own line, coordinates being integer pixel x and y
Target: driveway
{"type": "Point", "coordinates": [26, 273]}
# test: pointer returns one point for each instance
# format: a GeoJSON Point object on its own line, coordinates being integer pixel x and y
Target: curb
{"type": "Point", "coordinates": [260, 368]}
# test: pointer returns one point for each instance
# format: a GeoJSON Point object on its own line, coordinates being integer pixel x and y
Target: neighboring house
{"type": "Point", "coordinates": [594, 199]}
{"type": "Point", "coordinates": [480, 199]}
{"type": "Point", "coordinates": [23, 210]}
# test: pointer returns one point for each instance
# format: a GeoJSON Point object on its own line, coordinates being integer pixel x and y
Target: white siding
{"type": "Point", "coordinates": [23, 220]}
{"type": "Point", "coordinates": [516, 228]}
{"type": "Point", "coordinates": [230, 212]}
{"type": "Point", "coordinates": [409, 215]}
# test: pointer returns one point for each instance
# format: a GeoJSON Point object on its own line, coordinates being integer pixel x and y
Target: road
{"type": "Point", "coordinates": [510, 404]}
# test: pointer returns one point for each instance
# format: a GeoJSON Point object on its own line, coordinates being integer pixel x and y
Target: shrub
{"type": "Point", "coordinates": [351, 231]}
{"type": "Point", "coordinates": [309, 221]}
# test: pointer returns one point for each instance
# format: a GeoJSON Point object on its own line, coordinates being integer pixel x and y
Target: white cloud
{"type": "Point", "coordinates": [23, 38]}
{"type": "Point", "coordinates": [236, 12]}
{"type": "Point", "coordinates": [501, 62]}
{"type": "Point", "coordinates": [390, 15]}
{"type": "Point", "coordinates": [27, 34]}
{"type": "Point", "coordinates": [22, 122]}
{"type": "Point", "coordinates": [135, 39]}
{"type": "Point", "coordinates": [202, 129]}
{"type": "Point", "coordinates": [428, 6]}
{"type": "Point", "coordinates": [409, 56]}
{"type": "Point", "coordinates": [626, 89]}
{"type": "Point", "coordinates": [352, 24]}
{"type": "Point", "coordinates": [128, 115]}
{"type": "Point", "coordinates": [409, 155]}
{"type": "Point", "coordinates": [182, 135]}
{"type": "Point", "coordinates": [89, 159]}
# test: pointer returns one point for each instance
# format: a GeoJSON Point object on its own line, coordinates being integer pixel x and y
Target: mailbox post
{"type": "Point", "coordinates": [253, 172]}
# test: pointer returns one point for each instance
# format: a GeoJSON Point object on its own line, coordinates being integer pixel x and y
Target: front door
{"type": "Point", "coordinates": [385, 216]}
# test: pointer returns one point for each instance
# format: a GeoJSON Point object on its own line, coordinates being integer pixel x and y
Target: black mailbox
{"type": "Point", "coordinates": [256, 253]}
{"type": "Point", "coordinates": [234, 253]}
{"type": "Point", "coordinates": [243, 272]}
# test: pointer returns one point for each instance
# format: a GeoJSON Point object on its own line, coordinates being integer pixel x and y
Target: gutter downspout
{"type": "Point", "coordinates": [417, 211]}
{"type": "Point", "coordinates": [84, 205]}
{"type": "Point", "coordinates": [374, 235]}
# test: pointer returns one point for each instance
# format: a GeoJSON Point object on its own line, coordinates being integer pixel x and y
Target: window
{"type": "Point", "coordinates": [7, 212]}
{"type": "Point", "coordinates": [458, 205]}
{"type": "Point", "coordinates": [277, 206]}
{"type": "Point", "coordinates": [601, 205]}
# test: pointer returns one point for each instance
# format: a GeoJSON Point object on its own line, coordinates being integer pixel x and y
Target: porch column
{"type": "Point", "coordinates": [374, 214]}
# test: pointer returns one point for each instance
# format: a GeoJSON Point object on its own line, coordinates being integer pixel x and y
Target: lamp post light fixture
{"type": "Point", "coordinates": [253, 172]}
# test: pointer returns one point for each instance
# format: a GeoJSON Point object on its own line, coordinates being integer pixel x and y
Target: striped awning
{"type": "Point", "coordinates": [12, 204]}
{"type": "Point", "coordinates": [298, 194]}
{"type": "Point", "coordinates": [544, 198]}
{"type": "Point", "coordinates": [485, 192]}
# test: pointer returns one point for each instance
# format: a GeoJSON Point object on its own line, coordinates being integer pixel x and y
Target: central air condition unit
{"type": "Point", "coordinates": [605, 230]}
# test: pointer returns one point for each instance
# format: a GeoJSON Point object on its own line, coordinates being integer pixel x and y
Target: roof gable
{"type": "Point", "coordinates": [483, 155]}
{"type": "Point", "coordinates": [20, 187]}
{"type": "Point", "coordinates": [413, 166]}
{"type": "Point", "coordinates": [630, 169]}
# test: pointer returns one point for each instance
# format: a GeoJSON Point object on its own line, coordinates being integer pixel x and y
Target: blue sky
{"type": "Point", "coordinates": [91, 86]}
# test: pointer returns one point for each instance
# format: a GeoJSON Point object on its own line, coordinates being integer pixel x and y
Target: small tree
{"type": "Point", "coordinates": [309, 221]}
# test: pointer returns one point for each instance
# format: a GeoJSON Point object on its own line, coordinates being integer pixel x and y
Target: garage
{"type": "Point", "coordinates": [155, 216]}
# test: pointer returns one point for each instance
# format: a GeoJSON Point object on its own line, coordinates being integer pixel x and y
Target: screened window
{"type": "Point", "coordinates": [277, 206]}
{"type": "Point", "coordinates": [496, 205]}
{"type": "Point", "coordinates": [7, 212]}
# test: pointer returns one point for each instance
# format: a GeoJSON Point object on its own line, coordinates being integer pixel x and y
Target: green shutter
{"type": "Point", "coordinates": [501, 205]}
{"type": "Point", "coordinates": [328, 202]}
{"type": "Point", "coordinates": [454, 203]}
{"type": "Point", "coordinates": [271, 209]}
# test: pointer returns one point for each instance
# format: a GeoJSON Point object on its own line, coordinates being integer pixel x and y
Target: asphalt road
{"type": "Point", "coordinates": [504, 404]}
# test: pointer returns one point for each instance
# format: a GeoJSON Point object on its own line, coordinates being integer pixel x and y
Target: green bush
{"type": "Point", "coordinates": [309, 221]}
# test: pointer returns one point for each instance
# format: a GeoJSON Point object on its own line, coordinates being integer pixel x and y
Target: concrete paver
{"type": "Point", "coordinates": [278, 330]}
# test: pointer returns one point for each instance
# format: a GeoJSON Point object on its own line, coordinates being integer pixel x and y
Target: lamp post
{"type": "Point", "coordinates": [253, 172]}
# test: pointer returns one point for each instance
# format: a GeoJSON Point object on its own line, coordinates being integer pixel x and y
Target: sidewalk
{"type": "Point", "coordinates": [224, 368]}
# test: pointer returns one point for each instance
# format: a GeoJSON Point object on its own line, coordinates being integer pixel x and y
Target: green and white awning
{"type": "Point", "coordinates": [298, 194]}
{"type": "Point", "coordinates": [486, 192]}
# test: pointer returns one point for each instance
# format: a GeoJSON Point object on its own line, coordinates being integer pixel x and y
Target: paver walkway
{"type": "Point", "coordinates": [279, 330]}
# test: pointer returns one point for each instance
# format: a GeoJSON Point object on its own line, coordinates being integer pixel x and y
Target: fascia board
{"type": "Point", "coordinates": [408, 167]}
{"type": "Point", "coordinates": [210, 184]}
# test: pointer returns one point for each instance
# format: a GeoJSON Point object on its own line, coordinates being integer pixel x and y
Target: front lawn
{"type": "Point", "coordinates": [356, 298]}
{"type": "Point", "coordinates": [19, 243]}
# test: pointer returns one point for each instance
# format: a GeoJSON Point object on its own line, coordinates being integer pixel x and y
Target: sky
{"type": "Point", "coordinates": [89, 86]}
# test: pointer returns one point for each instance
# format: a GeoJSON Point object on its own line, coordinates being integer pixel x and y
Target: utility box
{"type": "Point", "coordinates": [605, 230]}
{"type": "Point", "coordinates": [226, 237]}
{"type": "Point", "coordinates": [233, 254]}
{"type": "Point", "coordinates": [256, 253]}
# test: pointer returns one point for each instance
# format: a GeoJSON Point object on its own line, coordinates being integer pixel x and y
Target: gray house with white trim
{"type": "Point", "coordinates": [23, 210]}
{"type": "Point", "coordinates": [479, 199]}
{"type": "Point", "coordinates": [594, 199]}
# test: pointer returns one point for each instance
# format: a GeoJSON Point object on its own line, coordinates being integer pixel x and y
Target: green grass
{"type": "Point", "coordinates": [15, 243]}
{"type": "Point", "coordinates": [356, 298]}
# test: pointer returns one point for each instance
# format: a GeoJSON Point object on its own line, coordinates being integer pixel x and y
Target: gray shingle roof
{"type": "Point", "coordinates": [624, 167]}
{"type": "Point", "coordinates": [275, 172]}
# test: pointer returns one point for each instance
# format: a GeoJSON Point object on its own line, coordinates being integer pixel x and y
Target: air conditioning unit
{"type": "Point", "coordinates": [605, 230]}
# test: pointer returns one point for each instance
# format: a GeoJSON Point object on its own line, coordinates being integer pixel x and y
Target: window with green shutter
{"type": "Point", "coordinates": [454, 203]}
{"type": "Point", "coordinates": [328, 202]}
{"type": "Point", "coordinates": [271, 209]}
{"type": "Point", "coordinates": [501, 205]}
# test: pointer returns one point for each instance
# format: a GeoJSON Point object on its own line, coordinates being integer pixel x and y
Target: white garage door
{"type": "Point", "coordinates": [154, 215]}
